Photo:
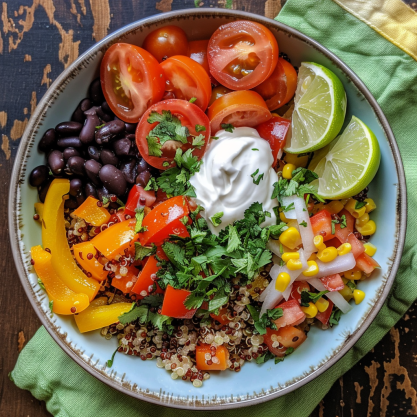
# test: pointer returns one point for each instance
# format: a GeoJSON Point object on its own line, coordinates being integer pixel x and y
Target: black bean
{"type": "Point", "coordinates": [94, 153]}
{"type": "Point", "coordinates": [106, 108]}
{"type": "Point", "coordinates": [89, 128]}
{"type": "Point", "coordinates": [80, 198]}
{"type": "Point", "coordinates": [90, 190]}
{"type": "Point", "coordinates": [76, 186]}
{"type": "Point", "coordinates": [130, 127]}
{"type": "Point", "coordinates": [76, 165]}
{"type": "Point", "coordinates": [43, 189]}
{"type": "Point", "coordinates": [113, 179]}
{"type": "Point", "coordinates": [129, 170]}
{"type": "Point", "coordinates": [108, 157]}
{"type": "Point", "coordinates": [142, 166]}
{"type": "Point", "coordinates": [122, 147]}
{"type": "Point", "coordinates": [56, 162]}
{"type": "Point", "coordinates": [109, 131]}
{"type": "Point", "coordinates": [78, 115]}
{"type": "Point", "coordinates": [71, 203]}
{"type": "Point", "coordinates": [103, 115]}
{"type": "Point", "coordinates": [92, 168]}
{"type": "Point", "coordinates": [96, 94]}
{"type": "Point", "coordinates": [38, 175]}
{"type": "Point", "coordinates": [72, 142]}
{"type": "Point", "coordinates": [68, 128]}
{"type": "Point", "coordinates": [48, 141]}
{"type": "Point", "coordinates": [68, 152]}
{"type": "Point", "coordinates": [143, 178]}
{"type": "Point", "coordinates": [103, 192]}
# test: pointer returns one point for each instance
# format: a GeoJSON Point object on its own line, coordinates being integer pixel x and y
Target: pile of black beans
{"type": "Point", "coordinates": [95, 150]}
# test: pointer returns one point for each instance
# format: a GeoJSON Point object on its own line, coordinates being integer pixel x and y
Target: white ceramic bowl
{"type": "Point", "coordinates": [255, 383]}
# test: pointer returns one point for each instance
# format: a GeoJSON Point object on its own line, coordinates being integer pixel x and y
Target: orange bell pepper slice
{"type": "Point", "coordinates": [54, 237]}
{"type": "Point", "coordinates": [84, 253]}
{"type": "Point", "coordinates": [116, 239]}
{"type": "Point", "coordinates": [98, 316]}
{"type": "Point", "coordinates": [164, 220]}
{"type": "Point", "coordinates": [92, 213]}
{"type": "Point", "coordinates": [221, 317]}
{"type": "Point", "coordinates": [39, 211]}
{"type": "Point", "coordinates": [126, 283]}
{"type": "Point", "coordinates": [173, 305]}
{"type": "Point", "coordinates": [220, 364]}
{"type": "Point", "coordinates": [64, 300]}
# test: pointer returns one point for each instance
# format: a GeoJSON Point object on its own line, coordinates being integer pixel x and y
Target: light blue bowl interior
{"type": "Point", "coordinates": [253, 380]}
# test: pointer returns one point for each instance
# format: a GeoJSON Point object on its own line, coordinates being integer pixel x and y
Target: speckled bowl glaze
{"type": "Point", "coordinates": [255, 383]}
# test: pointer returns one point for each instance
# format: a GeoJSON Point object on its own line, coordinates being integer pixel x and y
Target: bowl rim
{"type": "Point", "coordinates": [53, 91]}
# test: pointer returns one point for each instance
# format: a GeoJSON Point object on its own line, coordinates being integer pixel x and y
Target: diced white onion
{"type": "Point", "coordinates": [334, 296]}
{"type": "Point", "coordinates": [274, 272]}
{"type": "Point", "coordinates": [274, 246]}
{"type": "Point", "coordinates": [303, 218]}
{"type": "Point", "coordinates": [340, 264]}
{"type": "Point", "coordinates": [287, 201]}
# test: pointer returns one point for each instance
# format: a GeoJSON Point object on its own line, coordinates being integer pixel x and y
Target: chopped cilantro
{"type": "Point", "coordinates": [267, 319]}
{"type": "Point", "coordinates": [307, 297]}
{"type": "Point", "coordinates": [143, 251]}
{"type": "Point", "coordinates": [165, 164]}
{"type": "Point", "coordinates": [198, 141]}
{"type": "Point", "coordinates": [200, 128]}
{"type": "Point", "coordinates": [100, 126]}
{"type": "Point", "coordinates": [51, 306]}
{"type": "Point", "coordinates": [359, 205]}
{"type": "Point", "coordinates": [154, 300]}
{"type": "Point", "coordinates": [343, 222]}
{"type": "Point", "coordinates": [255, 149]}
{"type": "Point", "coordinates": [216, 219]}
{"type": "Point", "coordinates": [256, 180]}
{"type": "Point", "coordinates": [139, 218]}
{"type": "Point", "coordinates": [152, 184]}
{"type": "Point", "coordinates": [41, 284]}
{"type": "Point", "coordinates": [227, 127]}
{"type": "Point", "coordinates": [214, 137]}
{"type": "Point", "coordinates": [154, 148]}
{"type": "Point", "coordinates": [194, 99]}
{"type": "Point", "coordinates": [335, 317]}
{"type": "Point", "coordinates": [351, 285]}
{"type": "Point", "coordinates": [265, 358]}
{"type": "Point", "coordinates": [109, 363]}
{"type": "Point", "coordinates": [289, 350]}
{"type": "Point", "coordinates": [135, 313]}
{"type": "Point", "coordinates": [184, 220]}
{"type": "Point", "coordinates": [303, 223]}
{"type": "Point", "coordinates": [288, 208]}
{"type": "Point", "coordinates": [334, 222]}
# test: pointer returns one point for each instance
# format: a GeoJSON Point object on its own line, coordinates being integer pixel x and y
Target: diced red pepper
{"type": "Point", "coordinates": [325, 315]}
{"type": "Point", "coordinates": [357, 247]}
{"type": "Point", "coordinates": [321, 224]}
{"type": "Point", "coordinates": [293, 315]}
{"type": "Point", "coordinates": [366, 264]}
{"type": "Point", "coordinates": [221, 317]}
{"type": "Point", "coordinates": [126, 283]}
{"type": "Point", "coordinates": [173, 305]}
{"type": "Point", "coordinates": [342, 234]}
{"type": "Point", "coordinates": [333, 282]}
{"type": "Point", "coordinates": [297, 288]}
{"type": "Point", "coordinates": [134, 196]}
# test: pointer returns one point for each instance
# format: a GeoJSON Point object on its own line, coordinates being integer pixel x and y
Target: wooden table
{"type": "Point", "coordinates": [37, 41]}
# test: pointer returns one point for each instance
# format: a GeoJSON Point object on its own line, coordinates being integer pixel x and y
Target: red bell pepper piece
{"type": "Point", "coordinates": [135, 194]}
{"type": "Point", "coordinates": [357, 247]}
{"type": "Point", "coordinates": [333, 282]}
{"type": "Point", "coordinates": [342, 234]}
{"type": "Point", "coordinates": [322, 224]}
{"type": "Point", "coordinates": [173, 305]}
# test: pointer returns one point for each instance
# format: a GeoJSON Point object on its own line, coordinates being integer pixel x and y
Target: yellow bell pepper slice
{"type": "Point", "coordinates": [92, 213]}
{"type": "Point", "coordinates": [64, 300]}
{"type": "Point", "coordinates": [54, 237]}
{"type": "Point", "coordinates": [84, 253]}
{"type": "Point", "coordinates": [98, 316]}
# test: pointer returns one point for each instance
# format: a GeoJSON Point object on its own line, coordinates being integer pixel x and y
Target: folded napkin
{"type": "Point", "coordinates": [377, 40]}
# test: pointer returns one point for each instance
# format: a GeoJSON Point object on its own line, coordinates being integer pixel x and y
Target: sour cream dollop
{"type": "Point", "coordinates": [224, 182]}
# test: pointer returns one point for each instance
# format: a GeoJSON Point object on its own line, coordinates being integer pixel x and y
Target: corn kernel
{"type": "Point", "coordinates": [282, 282]}
{"type": "Point", "coordinates": [294, 264]}
{"type": "Point", "coordinates": [310, 311]}
{"type": "Point", "coordinates": [290, 255]}
{"type": "Point", "coordinates": [287, 171]}
{"type": "Point", "coordinates": [353, 274]}
{"type": "Point", "coordinates": [290, 237]}
{"type": "Point", "coordinates": [367, 229]}
{"type": "Point", "coordinates": [350, 207]}
{"type": "Point", "coordinates": [282, 217]}
{"type": "Point", "coordinates": [358, 296]}
{"type": "Point", "coordinates": [370, 249]}
{"type": "Point", "coordinates": [370, 205]}
{"type": "Point", "coordinates": [362, 220]}
{"type": "Point", "coordinates": [298, 161]}
{"type": "Point", "coordinates": [327, 255]}
{"type": "Point", "coordinates": [313, 269]}
{"type": "Point", "coordinates": [334, 207]}
{"type": "Point", "coordinates": [347, 293]}
{"type": "Point", "coordinates": [312, 257]}
{"type": "Point", "coordinates": [318, 242]}
{"type": "Point", "coordinates": [344, 249]}
{"type": "Point", "coordinates": [322, 304]}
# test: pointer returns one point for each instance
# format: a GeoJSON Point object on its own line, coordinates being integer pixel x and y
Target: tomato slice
{"type": "Point", "coordinates": [164, 220]}
{"type": "Point", "coordinates": [321, 224]}
{"type": "Point", "coordinates": [173, 305]}
{"type": "Point", "coordinates": [342, 234]}
{"type": "Point", "coordinates": [242, 54]}
{"type": "Point", "coordinates": [137, 198]}
{"type": "Point", "coordinates": [275, 132]}
{"type": "Point", "coordinates": [132, 81]}
{"type": "Point", "coordinates": [366, 264]}
{"type": "Point", "coordinates": [280, 87]}
{"type": "Point", "coordinates": [240, 108]}
{"type": "Point", "coordinates": [293, 315]}
{"type": "Point", "coordinates": [333, 282]}
{"type": "Point", "coordinates": [357, 246]}
{"type": "Point", "coordinates": [187, 80]}
{"type": "Point", "coordinates": [166, 41]}
{"type": "Point", "coordinates": [189, 115]}
{"type": "Point", "coordinates": [197, 51]}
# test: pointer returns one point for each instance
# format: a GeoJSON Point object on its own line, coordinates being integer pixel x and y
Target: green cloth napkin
{"type": "Point", "coordinates": [50, 375]}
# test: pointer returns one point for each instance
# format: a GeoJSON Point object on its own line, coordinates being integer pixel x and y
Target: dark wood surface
{"type": "Point", "coordinates": [38, 39]}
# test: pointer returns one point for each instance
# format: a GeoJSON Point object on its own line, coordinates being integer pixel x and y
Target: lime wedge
{"type": "Point", "coordinates": [351, 163]}
{"type": "Point", "coordinates": [319, 109]}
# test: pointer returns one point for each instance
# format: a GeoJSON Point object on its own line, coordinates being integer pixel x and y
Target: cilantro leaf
{"type": "Point", "coordinates": [219, 300]}
{"type": "Point", "coordinates": [154, 300]}
{"type": "Point", "coordinates": [255, 149]}
{"type": "Point", "coordinates": [265, 358]}
{"type": "Point", "coordinates": [109, 363]}
{"type": "Point", "coordinates": [200, 128]}
{"type": "Point", "coordinates": [159, 320]}
{"type": "Point", "coordinates": [304, 224]}
{"type": "Point", "coordinates": [143, 251]}
{"type": "Point", "coordinates": [307, 297]}
{"type": "Point", "coordinates": [234, 240]}
{"type": "Point", "coordinates": [256, 180]}
{"type": "Point", "coordinates": [334, 222]}
{"type": "Point", "coordinates": [359, 205]}
{"type": "Point", "coordinates": [152, 185]}
{"type": "Point", "coordinates": [343, 222]}
{"type": "Point", "coordinates": [135, 313]}
{"type": "Point", "coordinates": [139, 218]}
{"type": "Point", "coordinates": [194, 99]}
{"type": "Point", "coordinates": [216, 218]}
{"type": "Point", "coordinates": [288, 208]}
{"type": "Point", "coordinates": [267, 319]}
{"type": "Point", "coordinates": [198, 141]}
{"type": "Point", "coordinates": [351, 285]}
{"type": "Point", "coordinates": [335, 317]}
{"type": "Point", "coordinates": [154, 147]}
{"type": "Point", "coordinates": [227, 127]}
{"type": "Point", "coordinates": [194, 300]}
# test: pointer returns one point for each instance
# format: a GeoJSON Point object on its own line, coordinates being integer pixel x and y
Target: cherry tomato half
{"type": "Point", "coordinates": [242, 54]}
{"type": "Point", "coordinates": [165, 42]}
{"type": "Point", "coordinates": [187, 79]}
{"type": "Point", "coordinates": [280, 87]}
{"type": "Point", "coordinates": [239, 108]}
{"type": "Point", "coordinates": [275, 132]}
{"type": "Point", "coordinates": [132, 80]}
{"type": "Point", "coordinates": [189, 115]}
{"type": "Point", "coordinates": [197, 50]}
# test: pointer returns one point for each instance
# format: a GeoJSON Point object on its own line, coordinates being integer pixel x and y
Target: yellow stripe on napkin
{"type": "Point", "coordinates": [392, 19]}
